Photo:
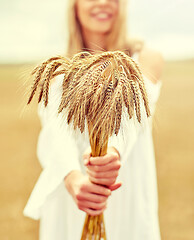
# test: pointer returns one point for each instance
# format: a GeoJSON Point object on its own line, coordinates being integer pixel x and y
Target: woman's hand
{"type": "Point", "coordinates": [105, 169]}
{"type": "Point", "coordinates": [89, 197]}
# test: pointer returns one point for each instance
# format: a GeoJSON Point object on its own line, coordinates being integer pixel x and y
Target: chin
{"type": "Point", "coordinates": [103, 29]}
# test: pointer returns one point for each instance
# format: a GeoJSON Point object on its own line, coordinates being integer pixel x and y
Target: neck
{"type": "Point", "coordinates": [94, 42]}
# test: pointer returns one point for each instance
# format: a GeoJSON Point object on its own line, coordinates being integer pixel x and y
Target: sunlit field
{"type": "Point", "coordinates": [174, 148]}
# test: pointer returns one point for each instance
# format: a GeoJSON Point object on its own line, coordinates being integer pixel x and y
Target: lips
{"type": "Point", "coordinates": [102, 16]}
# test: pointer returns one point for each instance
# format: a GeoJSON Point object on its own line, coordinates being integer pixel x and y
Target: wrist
{"type": "Point", "coordinates": [70, 179]}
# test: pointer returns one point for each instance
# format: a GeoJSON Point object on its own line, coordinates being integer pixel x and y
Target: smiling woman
{"type": "Point", "coordinates": [66, 185]}
{"type": "Point", "coordinates": [98, 25]}
{"type": "Point", "coordinates": [95, 17]}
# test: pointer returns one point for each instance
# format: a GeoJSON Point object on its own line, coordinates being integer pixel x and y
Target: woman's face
{"type": "Point", "coordinates": [97, 15]}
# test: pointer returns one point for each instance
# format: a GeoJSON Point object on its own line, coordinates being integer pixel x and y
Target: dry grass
{"type": "Point", "coordinates": [94, 88]}
{"type": "Point", "coordinates": [173, 135]}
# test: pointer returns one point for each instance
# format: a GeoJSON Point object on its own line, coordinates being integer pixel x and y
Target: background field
{"type": "Point", "coordinates": [174, 147]}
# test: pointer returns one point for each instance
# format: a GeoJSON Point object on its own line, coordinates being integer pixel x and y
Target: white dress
{"type": "Point", "coordinates": [132, 212]}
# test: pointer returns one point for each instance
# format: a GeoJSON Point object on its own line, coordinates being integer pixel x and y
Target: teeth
{"type": "Point", "coordinates": [102, 15]}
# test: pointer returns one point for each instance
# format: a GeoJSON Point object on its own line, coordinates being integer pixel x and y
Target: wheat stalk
{"type": "Point", "coordinates": [95, 91]}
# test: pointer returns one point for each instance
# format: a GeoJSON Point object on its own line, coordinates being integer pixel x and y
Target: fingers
{"type": "Point", "coordinates": [103, 160]}
{"type": "Point", "coordinates": [103, 181]}
{"type": "Point", "coordinates": [105, 168]}
{"type": "Point", "coordinates": [101, 174]}
{"type": "Point", "coordinates": [100, 190]}
{"type": "Point", "coordinates": [89, 187]}
{"type": "Point", "coordinates": [103, 178]}
{"type": "Point", "coordinates": [92, 205]}
{"type": "Point", "coordinates": [115, 186]}
{"type": "Point", "coordinates": [86, 156]}
{"type": "Point", "coordinates": [91, 211]}
{"type": "Point", "coordinates": [91, 197]}
{"type": "Point", "coordinates": [105, 174]}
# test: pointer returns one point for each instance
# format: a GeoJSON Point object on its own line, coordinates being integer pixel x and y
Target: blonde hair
{"type": "Point", "coordinates": [117, 39]}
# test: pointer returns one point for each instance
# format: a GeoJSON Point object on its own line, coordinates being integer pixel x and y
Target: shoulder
{"type": "Point", "coordinates": [151, 63]}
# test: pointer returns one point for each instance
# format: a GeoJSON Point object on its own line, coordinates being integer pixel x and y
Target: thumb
{"type": "Point", "coordinates": [86, 156]}
{"type": "Point", "coordinates": [115, 186]}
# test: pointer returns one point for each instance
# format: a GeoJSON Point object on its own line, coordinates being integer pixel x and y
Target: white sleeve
{"type": "Point", "coordinates": [125, 139]}
{"type": "Point", "coordinates": [58, 154]}
{"type": "Point", "coordinates": [128, 134]}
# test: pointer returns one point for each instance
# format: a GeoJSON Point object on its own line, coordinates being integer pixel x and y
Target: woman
{"type": "Point", "coordinates": [96, 25]}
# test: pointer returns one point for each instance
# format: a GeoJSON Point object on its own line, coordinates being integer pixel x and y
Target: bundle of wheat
{"type": "Point", "coordinates": [96, 89]}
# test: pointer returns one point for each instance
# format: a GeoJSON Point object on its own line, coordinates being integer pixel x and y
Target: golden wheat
{"type": "Point", "coordinates": [95, 90]}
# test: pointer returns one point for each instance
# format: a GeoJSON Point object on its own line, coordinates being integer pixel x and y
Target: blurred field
{"type": "Point", "coordinates": [174, 146]}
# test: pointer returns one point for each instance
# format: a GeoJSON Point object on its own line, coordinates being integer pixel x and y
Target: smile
{"type": "Point", "coordinates": [102, 16]}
